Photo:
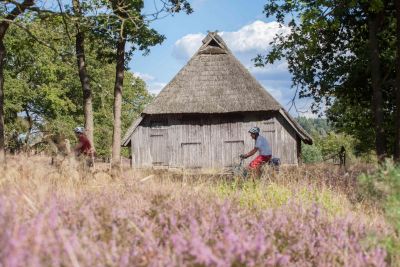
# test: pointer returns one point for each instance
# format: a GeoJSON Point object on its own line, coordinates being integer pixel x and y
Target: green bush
{"type": "Point", "coordinates": [311, 154]}
{"type": "Point", "coordinates": [328, 145]}
{"type": "Point", "coordinates": [383, 189]}
{"type": "Point", "coordinates": [331, 144]}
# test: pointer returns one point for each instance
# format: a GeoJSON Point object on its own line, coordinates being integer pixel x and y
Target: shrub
{"type": "Point", "coordinates": [311, 154]}
{"type": "Point", "coordinates": [383, 189]}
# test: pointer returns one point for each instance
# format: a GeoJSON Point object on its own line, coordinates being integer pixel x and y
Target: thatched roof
{"type": "Point", "coordinates": [212, 82]}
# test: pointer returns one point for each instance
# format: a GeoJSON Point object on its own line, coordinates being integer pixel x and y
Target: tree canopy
{"type": "Point", "coordinates": [342, 54]}
{"type": "Point", "coordinates": [42, 84]}
{"type": "Point", "coordinates": [60, 61]}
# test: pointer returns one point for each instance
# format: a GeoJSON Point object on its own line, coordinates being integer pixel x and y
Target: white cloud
{"type": "Point", "coordinates": [253, 38]}
{"type": "Point", "coordinates": [185, 47]}
{"type": "Point", "coordinates": [144, 76]}
{"type": "Point", "coordinates": [277, 71]}
{"type": "Point", "coordinates": [308, 114]}
{"type": "Point", "coordinates": [276, 93]}
{"type": "Point", "coordinates": [245, 43]}
{"type": "Point", "coordinates": [283, 93]}
{"type": "Point", "coordinates": [280, 90]}
{"type": "Point", "coordinates": [277, 67]}
{"type": "Point", "coordinates": [155, 87]}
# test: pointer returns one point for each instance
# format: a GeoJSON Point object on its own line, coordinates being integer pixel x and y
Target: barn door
{"type": "Point", "coordinates": [191, 154]}
{"type": "Point", "coordinates": [231, 151]}
{"type": "Point", "coordinates": [268, 130]}
{"type": "Point", "coordinates": [159, 147]}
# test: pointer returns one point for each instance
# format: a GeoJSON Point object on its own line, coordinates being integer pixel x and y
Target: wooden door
{"type": "Point", "coordinates": [159, 147]}
{"type": "Point", "coordinates": [191, 154]}
{"type": "Point", "coordinates": [231, 151]}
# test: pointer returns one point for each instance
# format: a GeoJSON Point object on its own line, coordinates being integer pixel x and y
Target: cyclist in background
{"type": "Point", "coordinates": [83, 148]}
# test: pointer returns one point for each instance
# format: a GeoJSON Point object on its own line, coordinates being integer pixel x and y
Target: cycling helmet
{"type": "Point", "coordinates": [254, 130]}
{"type": "Point", "coordinates": [79, 130]}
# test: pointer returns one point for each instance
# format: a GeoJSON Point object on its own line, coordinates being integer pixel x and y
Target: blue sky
{"type": "Point", "coordinates": [241, 24]}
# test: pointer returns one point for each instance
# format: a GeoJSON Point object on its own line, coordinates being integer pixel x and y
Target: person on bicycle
{"type": "Point", "coordinates": [264, 151]}
{"type": "Point", "coordinates": [83, 147]}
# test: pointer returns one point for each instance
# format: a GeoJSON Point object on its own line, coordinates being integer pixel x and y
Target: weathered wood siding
{"type": "Point", "coordinates": [209, 141]}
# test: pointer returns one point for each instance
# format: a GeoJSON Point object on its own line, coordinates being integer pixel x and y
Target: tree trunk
{"type": "Point", "coordinates": [2, 143]}
{"type": "Point", "coordinates": [83, 75]}
{"type": "Point", "coordinates": [377, 102]}
{"type": "Point", "coordinates": [119, 80]}
{"type": "Point", "coordinates": [28, 135]}
{"type": "Point", "coordinates": [397, 115]}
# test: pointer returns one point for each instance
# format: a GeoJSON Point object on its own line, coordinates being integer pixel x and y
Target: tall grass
{"type": "Point", "coordinates": [63, 217]}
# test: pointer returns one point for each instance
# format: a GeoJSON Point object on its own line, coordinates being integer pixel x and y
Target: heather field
{"type": "Point", "coordinates": [315, 215]}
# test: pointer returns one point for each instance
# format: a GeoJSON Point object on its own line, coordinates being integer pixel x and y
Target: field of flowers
{"type": "Point", "coordinates": [309, 216]}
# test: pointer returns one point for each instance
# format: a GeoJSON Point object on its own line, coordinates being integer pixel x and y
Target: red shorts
{"type": "Point", "coordinates": [258, 161]}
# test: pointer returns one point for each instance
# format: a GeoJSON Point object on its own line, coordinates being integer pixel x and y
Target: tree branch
{"type": "Point", "coordinates": [19, 9]}
{"type": "Point", "coordinates": [63, 19]}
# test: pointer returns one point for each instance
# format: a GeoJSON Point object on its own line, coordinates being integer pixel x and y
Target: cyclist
{"type": "Point", "coordinates": [83, 148]}
{"type": "Point", "coordinates": [264, 151]}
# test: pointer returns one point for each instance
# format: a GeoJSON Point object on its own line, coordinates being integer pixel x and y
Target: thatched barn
{"type": "Point", "coordinates": [201, 118]}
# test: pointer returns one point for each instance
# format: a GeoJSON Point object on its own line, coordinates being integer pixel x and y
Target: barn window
{"type": "Point", "coordinates": [213, 43]}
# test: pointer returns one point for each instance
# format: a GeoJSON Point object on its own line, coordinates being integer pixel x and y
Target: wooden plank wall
{"type": "Point", "coordinates": [209, 141]}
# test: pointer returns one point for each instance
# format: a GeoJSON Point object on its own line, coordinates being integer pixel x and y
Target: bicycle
{"type": "Point", "coordinates": [240, 171]}
{"type": "Point", "coordinates": [275, 163]}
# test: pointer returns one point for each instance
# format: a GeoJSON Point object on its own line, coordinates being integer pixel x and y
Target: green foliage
{"type": "Point", "coordinates": [315, 127]}
{"type": "Point", "coordinates": [311, 154]}
{"type": "Point", "coordinates": [117, 19]}
{"type": "Point", "coordinates": [134, 98]}
{"type": "Point", "coordinates": [383, 188]}
{"type": "Point", "coordinates": [327, 51]}
{"type": "Point", "coordinates": [325, 147]}
{"type": "Point", "coordinates": [326, 142]}
{"type": "Point", "coordinates": [332, 143]}
{"type": "Point", "coordinates": [44, 83]}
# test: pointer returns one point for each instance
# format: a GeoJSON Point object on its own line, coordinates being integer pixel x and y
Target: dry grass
{"type": "Point", "coordinates": [35, 178]}
{"type": "Point", "coordinates": [30, 188]}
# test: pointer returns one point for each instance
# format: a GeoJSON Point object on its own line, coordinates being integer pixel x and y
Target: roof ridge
{"type": "Point", "coordinates": [214, 40]}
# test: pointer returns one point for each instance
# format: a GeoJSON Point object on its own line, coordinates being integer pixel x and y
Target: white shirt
{"type": "Point", "coordinates": [263, 146]}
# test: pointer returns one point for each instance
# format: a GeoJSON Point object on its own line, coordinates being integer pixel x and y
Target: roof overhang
{"type": "Point", "coordinates": [304, 136]}
{"type": "Point", "coordinates": [127, 137]}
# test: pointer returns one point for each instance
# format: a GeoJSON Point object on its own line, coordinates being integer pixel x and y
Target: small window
{"type": "Point", "coordinates": [214, 43]}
